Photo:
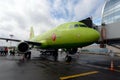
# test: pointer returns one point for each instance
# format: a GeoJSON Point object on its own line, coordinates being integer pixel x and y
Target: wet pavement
{"type": "Point", "coordinates": [83, 67]}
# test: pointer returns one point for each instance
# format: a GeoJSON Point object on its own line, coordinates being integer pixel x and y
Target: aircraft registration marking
{"type": "Point", "coordinates": [78, 75]}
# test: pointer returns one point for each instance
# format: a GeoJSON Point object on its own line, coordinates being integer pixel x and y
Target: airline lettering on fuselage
{"type": "Point", "coordinates": [53, 36]}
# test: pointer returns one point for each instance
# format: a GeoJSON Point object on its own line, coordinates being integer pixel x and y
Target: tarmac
{"type": "Point", "coordinates": [82, 67]}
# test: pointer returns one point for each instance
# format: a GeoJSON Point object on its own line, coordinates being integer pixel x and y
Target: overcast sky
{"type": "Point", "coordinates": [17, 16]}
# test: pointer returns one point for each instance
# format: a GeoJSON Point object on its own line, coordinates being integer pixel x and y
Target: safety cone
{"type": "Point", "coordinates": [112, 66]}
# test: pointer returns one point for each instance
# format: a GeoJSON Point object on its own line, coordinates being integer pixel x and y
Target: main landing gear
{"type": "Point", "coordinates": [70, 52]}
{"type": "Point", "coordinates": [53, 53]}
{"type": "Point", "coordinates": [27, 55]}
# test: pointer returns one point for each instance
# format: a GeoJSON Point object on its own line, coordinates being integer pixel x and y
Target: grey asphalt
{"type": "Point", "coordinates": [12, 68]}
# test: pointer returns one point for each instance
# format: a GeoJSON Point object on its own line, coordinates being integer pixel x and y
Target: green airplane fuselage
{"type": "Point", "coordinates": [68, 35]}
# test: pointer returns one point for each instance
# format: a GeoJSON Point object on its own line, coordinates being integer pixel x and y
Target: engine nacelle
{"type": "Point", "coordinates": [23, 47]}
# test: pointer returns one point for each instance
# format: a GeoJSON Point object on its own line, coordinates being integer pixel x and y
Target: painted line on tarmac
{"type": "Point", "coordinates": [117, 70]}
{"type": "Point", "coordinates": [78, 75]}
{"type": "Point", "coordinates": [100, 67]}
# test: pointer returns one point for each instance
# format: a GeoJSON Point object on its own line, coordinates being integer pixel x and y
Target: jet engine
{"type": "Point", "coordinates": [23, 47]}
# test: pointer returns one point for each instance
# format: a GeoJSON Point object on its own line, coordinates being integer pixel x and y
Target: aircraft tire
{"type": "Point", "coordinates": [55, 55]}
{"type": "Point", "coordinates": [68, 58]}
{"type": "Point", "coordinates": [29, 55]}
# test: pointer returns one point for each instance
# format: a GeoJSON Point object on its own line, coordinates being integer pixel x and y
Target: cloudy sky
{"type": "Point", "coordinates": [17, 16]}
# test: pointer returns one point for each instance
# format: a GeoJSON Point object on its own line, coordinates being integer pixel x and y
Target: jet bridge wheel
{"type": "Point", "coordinates": [68, 58]}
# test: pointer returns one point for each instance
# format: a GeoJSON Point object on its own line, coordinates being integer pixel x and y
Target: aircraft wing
{"type": "Point", "coordinates": [8, 39]}
{"type": "Point", "coordinates": [16, 40]}
{"type": "Point", "coordinates": [33, 43]}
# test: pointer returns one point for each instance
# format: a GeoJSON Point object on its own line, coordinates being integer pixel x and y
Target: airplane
{"type": "Point", "coordinates": [69, 36]}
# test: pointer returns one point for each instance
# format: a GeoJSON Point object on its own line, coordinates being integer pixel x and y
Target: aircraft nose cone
{"type": "Point", "coordinates": [95, 35]}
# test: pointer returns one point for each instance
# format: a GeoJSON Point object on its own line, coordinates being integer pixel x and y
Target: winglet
{"type": "Point", "coordinates": [31, 33]}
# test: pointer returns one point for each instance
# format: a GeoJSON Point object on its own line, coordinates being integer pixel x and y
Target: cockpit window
{"type": "Point", "coordinates": [82, 25]}
{"type": "Point", "coordinates": [76, 25]}
{"type": "Point", "coordinates": [79, 25]}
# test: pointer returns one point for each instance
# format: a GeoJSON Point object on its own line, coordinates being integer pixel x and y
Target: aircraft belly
{"type": "Point", "coordinates": [71, 45]}
{"type": "Point", "coordinates": [68, 42]}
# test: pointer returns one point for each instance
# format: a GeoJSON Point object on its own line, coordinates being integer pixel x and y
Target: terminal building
{"type": "Point", "coordinates": [111, 12]}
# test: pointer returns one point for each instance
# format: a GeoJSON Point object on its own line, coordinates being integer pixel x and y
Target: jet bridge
{"type": "Point", "coordinates": [110, 27]}
{"type": "Point", "coordinates": [88, 21]}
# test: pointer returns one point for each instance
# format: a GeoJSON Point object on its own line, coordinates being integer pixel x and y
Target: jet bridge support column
{"type": "Point", "coordinates": [103, 36]}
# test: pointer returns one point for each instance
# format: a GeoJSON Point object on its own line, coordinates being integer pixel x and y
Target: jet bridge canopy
{"type": "Point", "coordinates": [88, 22]}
